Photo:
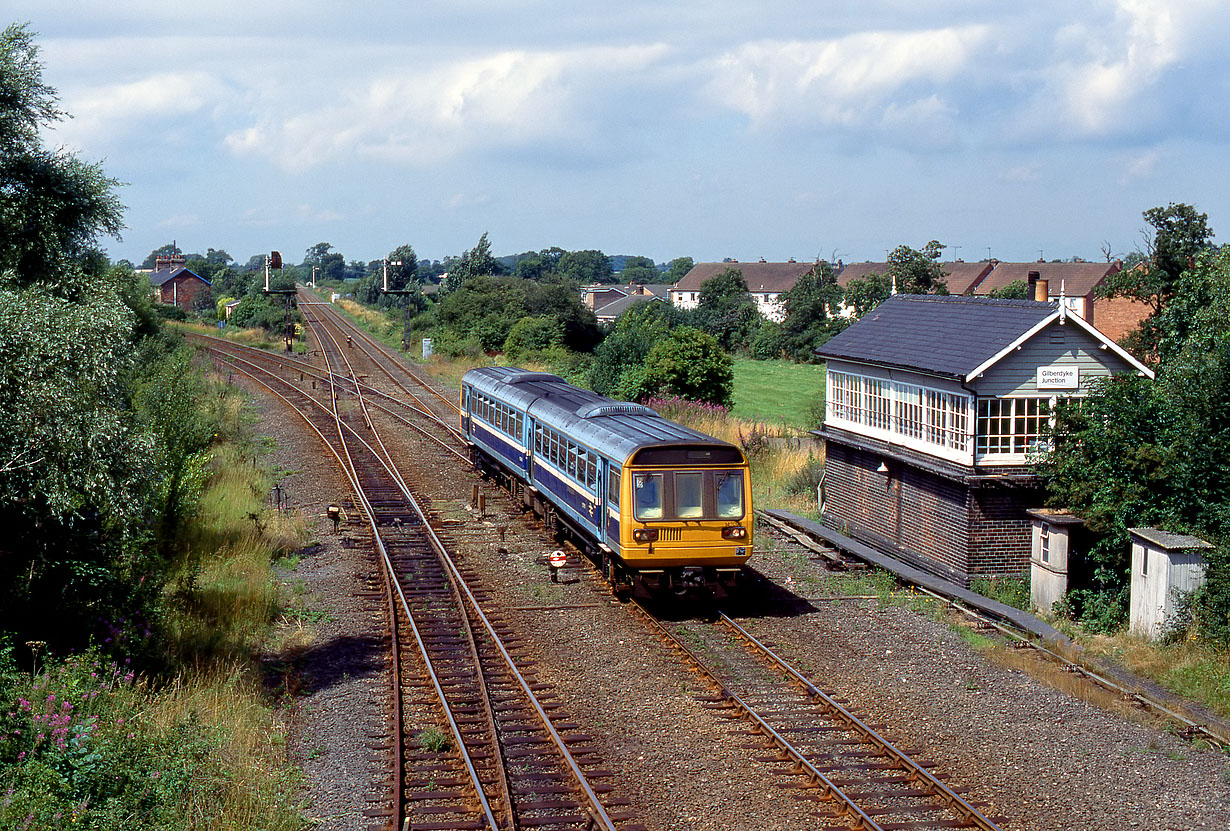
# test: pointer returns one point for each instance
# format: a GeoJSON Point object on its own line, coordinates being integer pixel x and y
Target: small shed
{"type": "Point", "coordinates": [1053, 535]}
{"type": "Point", "coordinates": [1165, 566]}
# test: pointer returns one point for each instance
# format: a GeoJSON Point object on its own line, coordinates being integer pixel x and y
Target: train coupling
{"type": "Point", "coordinates": [692, 577]}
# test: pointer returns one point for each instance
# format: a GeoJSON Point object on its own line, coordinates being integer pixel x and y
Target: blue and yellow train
{"type": "Point", "coordinates": [654, 502]}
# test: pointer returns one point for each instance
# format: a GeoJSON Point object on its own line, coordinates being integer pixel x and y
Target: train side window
{"type": "Point", "coordinates": [729, 495]}
{"type": "Point", "coordinates": [591, 471]}
{"type": "Point", "coordinates": [647, 495]}
{"type": "Point", "coordinates": [688, 492]}
{"type": "Point", "coordinates": [612, 491]}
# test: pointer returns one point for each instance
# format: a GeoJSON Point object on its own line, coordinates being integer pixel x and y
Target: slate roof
{"type": "Point", "coordinates": [166, 275]}
{"type": "Point", "coordinates": [1076, 279]}
{"type": "Point", "coordinates": [615, 308]}
{"type": "Point", "coordinates": [946, 335]}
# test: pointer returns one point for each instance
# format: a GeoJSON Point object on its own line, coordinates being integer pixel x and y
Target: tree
{"type": "Point", "coordinates": [484, 308]}
{"type": "Point", "coordinates": [1016, 290]}
{"type": "Point", "coordinates": [640, 270]}
{"type": "Point", "coordinates": [53, 206]}
{"type": "Point", "coordinates": [691, 364]}
{"type": "Point", "coordinates": [618, 359]}
{"type": "Point", "coordinates": [586, 267]}
{"type": "Point", "coordinates": [865, 293]}
{"type": "Point", "coordinates": [1139, 453]}
{"type": "Point", "coordinates": [813, 312]}
{"type": "Point", "coordinates": [678, 267]}
{"type": "Point", "coordinates": [403, 268]}
{"type": "Point", "coordinates": [559, 301]}
{"type": "Point", "coordinates": [917, 272]}
{"type": "Point", "coordinates": [1179, 234]}
{"type": "Point", "coordinates": [476, 262]}
{"type": "Point", "coordinates": [533, 334]}
{"type": "Point", "coordinates": [726, 309]}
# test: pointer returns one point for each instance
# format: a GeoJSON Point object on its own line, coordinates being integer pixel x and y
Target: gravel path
{"type": "Point", "coordinates": [1038, 757]}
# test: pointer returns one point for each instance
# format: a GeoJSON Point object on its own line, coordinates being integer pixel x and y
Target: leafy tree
{"type": "Point", "coordinates": [623, 351]}
{"type": "Point", "coordinates": [865, 293]}
{"type": "Point", "coordinates": [560, 301]}
{"type": "Point", "coordinates": [726, 309]}
{"type": "Point", "coordinates": [1179, 234]}
{"type": "Point", "coordinates": [640, 270]}
{"type": "Point", "coordinates": [533, 334]}
{"type": "Point", "coordinates": [691, 364]}
{"type": "Point", "coordinates": [484, 308]}
{"type": "Point", "coordinates": [53, 206]}
{"type": "Point", "coordinates": [168, 250]}
{"type": "Point", "coordinates": [918, 272]}
{"type": "Point", "coordinates": [1137, 453]}
{"type": "Point", "coordinates": [586, 267]}
{"type": "Point", "coordinates": [1016, 290]}
{"type": "Point", "coordinates": [813, 313]}
{"type": "Point", "coordinates": [476, 262]}
{"type": "Point", "coordinates": [678, 267]}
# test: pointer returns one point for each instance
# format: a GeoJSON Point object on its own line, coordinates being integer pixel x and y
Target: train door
{"type": "Point", "coordinates": [611, 508]}
{"type": "Point", "coordinates": [465, 410]}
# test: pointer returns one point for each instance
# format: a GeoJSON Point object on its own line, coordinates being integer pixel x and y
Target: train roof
{"type": "Point", "coordinates": [616, 429]}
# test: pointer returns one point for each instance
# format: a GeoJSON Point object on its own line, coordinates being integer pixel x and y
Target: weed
{"type": "Point", "coordinates": [435, 740]}
{"type": "Point", "coordinates": [976, 640]}
{"type": "Point", "coordinates": [1011, 591]}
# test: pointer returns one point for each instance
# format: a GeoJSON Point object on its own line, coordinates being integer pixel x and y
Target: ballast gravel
{"type": "Point", "coordinates": [1036, 757]}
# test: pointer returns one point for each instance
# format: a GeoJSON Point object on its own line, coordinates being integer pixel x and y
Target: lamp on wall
{"type": "Point", "coordinates": [883, 468]}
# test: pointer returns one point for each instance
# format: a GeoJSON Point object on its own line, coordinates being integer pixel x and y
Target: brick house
{"type": "Point", "coordinates": [175, 285]}
{"type": "Point", "coordinates": [1074, 283]}
{"type": "Point", "coordinates": [934, 407]}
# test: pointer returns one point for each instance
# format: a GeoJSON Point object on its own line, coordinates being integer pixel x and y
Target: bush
{"type": "Point", "coordinates": [87, 745]}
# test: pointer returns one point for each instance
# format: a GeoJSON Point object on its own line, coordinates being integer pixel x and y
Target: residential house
{"type": "Point", "coordinates": [175, 285]}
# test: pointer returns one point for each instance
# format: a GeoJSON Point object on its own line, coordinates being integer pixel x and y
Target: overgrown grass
{"type": "Point", "coordinates": [90, 743]}
{"type": "Point", "coordinates": [1011, 591]}
{"type": "Point", "coordinates": [782, 393]}
{"type": "Point", "coordinates": [1200, 672]}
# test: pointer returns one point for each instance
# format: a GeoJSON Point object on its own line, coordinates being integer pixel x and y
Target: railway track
{"type": "Point", "coordinates": [861, 779]}
{"type": "Point", "coordinates": [478, 742]}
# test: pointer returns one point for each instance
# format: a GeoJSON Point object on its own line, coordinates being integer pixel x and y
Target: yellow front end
{"type": "Point", "coordinates": [679, 517]}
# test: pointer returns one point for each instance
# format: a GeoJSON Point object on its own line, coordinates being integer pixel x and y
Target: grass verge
{"type": "Point", "coordinates": [88, 742]}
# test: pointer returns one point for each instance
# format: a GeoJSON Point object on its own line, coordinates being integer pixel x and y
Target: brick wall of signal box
{"type": "Point", "coordinates": [938, 523]}
{"type": "Point", "coordinates": [919, 512]}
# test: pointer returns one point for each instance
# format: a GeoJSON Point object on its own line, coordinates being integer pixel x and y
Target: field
{"type": "Point", "coordinates": [778, 392]}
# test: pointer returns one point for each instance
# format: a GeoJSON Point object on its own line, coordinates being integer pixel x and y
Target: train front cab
{"type": "Point", "coordinates": [686, 516]}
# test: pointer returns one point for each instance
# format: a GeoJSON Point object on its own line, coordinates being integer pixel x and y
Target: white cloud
{"type": "Point", "coordinates": [180, 221]}
{"type": "Point", "coordinates": [854, 80]}
{"type": "Point", "coordinates": [103, 113]}
{"type": "Point", "coordinates": [1110, 72]}
{"type": "Point", "coordinates": [1141, 166]}
{"type": "Point", "coordinates": [465, 200]}
{"type": "Point", "coordinates": [504, 100]}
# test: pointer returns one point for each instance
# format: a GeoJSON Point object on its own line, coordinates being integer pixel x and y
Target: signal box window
{"type": "Point", "coordinates": [688, 495]}
{"type": "Point", "coordinates": [647, 495]}
{"type": "Point", "coordinates": [730, 495]}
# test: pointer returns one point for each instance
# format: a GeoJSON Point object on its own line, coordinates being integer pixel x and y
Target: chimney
{"type": "Point", "coordinates": [1041, 291]}
{"type": "Point", "coordinates": [1033, 283]}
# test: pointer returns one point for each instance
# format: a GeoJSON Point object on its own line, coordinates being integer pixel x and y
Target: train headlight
{"type": "Point", "coordinates": [645, 535]}
{"type": "Point", "coordinates": [734, 532]}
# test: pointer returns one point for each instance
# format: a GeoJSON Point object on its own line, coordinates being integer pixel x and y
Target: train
{"type": "Point", "coordinates": [656, 504]}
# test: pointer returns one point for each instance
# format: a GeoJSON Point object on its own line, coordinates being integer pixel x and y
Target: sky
{"type": "Point", "coordinates": [712, 130]}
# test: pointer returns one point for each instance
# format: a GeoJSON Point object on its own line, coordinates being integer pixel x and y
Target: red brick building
{"type": "Point", "coordinates": [175, 285]}
{"type": "Point", "coordinates": [934, 408]}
